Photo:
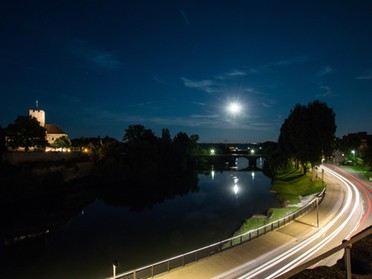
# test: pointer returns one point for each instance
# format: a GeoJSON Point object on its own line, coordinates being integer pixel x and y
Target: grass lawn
{"type": "Point", "coordinates": [366, 170]}
{"type": "Point", "coordinates": [289, 187]}
{"type": "Point", "coordinates": [293, 184]}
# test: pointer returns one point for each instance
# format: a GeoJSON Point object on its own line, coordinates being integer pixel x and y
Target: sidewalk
{"type": "Point", "coordinates": [274, 242]}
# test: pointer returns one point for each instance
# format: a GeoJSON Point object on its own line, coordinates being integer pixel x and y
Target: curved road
{"type": "Point", "coordinates": [345, 210]}
{"type": "Point", "coordinates": [346, 220]}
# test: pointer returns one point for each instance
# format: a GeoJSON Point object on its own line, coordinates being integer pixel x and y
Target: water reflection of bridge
{"type": "Point", "coordinates": [252, 158]}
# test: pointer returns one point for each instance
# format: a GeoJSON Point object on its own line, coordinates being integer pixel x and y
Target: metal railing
{"type": "Point", "coordinates": [204, 252]}
{"type": "Point", "coordinates": [346, 245]}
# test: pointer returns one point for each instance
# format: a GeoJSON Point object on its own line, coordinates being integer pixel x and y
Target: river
{"type": "Point", "coordinates": [88, 242]}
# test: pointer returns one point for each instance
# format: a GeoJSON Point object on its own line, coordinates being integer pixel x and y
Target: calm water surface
{"type": "Point", "coordinates": [87, 245]}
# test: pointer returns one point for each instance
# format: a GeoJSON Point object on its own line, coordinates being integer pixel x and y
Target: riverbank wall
{"type": "Point", "coordinates": [20, 158]}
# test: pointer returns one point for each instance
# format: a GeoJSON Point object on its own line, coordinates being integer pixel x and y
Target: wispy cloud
{"type": "Point", "coordinates": [198, 103]}
{"type": "Point", "coordinates": [206, 85]}
{"type": "Point", "coordinates": [205, 116]}
{"type": "Point", "coordinates": [236, 73]}
{"type": "Point", "coordinates": [105, 60]}
{"type": "Point", "coordinates": [251, 90]}
{"type": "Point", "coordinates": [325, 91]}
{"type": "Point", "coordinates": [272, 65]}
{"type": "Point", "coordinates": [100, 58]}
{"type": "Point", "coordinates": [269, 103]}
{"type": "Point", "coordinates": [220, 83]}
{"type": "Point", "coordinates": [325, 71]}
{"type": "Point", "coordinates": [184, 17]}
{"type": "Point", "coordinates": [159, 80]}
{"type": "Point", "coordinates": [232, 74]}
{"type": "Point", "coordinates": [367, 75]}
{"type": "Point", "coordinates": [71, 99]}
{"type": "Point", "coordinates": [291, 61]}
{"type": "Point", "coordinates": [183, 121]}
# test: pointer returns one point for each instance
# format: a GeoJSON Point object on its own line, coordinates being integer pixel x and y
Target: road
{"type": "Point", "coordinates": [365, 188]}
{"type": "Point", "coordinates": [349, 219]}
{"type": "Point", "coordinates": [345, 210]}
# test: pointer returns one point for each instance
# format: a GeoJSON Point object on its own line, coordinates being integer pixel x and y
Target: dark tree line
{"type": "Point", "coordinates": [148, 167]}
{"type": "Point", "coordinates": [306, 136]}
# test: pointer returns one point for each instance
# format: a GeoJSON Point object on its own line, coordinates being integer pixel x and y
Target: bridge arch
{"type": "Point", "coordinates": [252, 159]}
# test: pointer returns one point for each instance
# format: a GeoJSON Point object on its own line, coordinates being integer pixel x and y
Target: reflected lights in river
{"type": "Point", "coordinates": [212, 172]}
{"type": "Point", "coordinates": [235, 187]}
{"type": "Point", "coordinates": [252, 174]}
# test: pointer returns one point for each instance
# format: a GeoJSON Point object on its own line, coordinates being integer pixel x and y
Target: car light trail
{"type": "Point", "coordinates": [364, 187]}
{"type": "Point", "coordinates": [352, 193]}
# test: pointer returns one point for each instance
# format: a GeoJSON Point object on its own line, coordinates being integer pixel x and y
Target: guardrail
{"type": "Point", "coordinates": [204, 252]}
{"type": "Point", "coordinates": [346, 245]}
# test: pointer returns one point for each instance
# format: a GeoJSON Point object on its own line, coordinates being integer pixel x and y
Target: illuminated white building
{"type": "Point", "coordinates": [53, 132]}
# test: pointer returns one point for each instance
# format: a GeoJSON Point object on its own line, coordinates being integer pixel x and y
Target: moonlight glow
{"type": "Point", "coordinates": [234, 108]}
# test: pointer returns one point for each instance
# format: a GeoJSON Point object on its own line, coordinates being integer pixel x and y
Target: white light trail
{"type": "Point", "coordinates": [351, 190]}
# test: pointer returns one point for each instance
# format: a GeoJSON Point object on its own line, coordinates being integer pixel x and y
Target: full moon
{"type": "Point", "coordinates": [234, 108]}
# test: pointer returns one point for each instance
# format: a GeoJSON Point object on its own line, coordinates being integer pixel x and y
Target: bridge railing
{"type": "Point", "coordinates": [204, 252]}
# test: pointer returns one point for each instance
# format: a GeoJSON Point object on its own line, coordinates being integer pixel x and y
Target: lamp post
{"type": "Point", "coordinates": [317, 202]}
{"type": "Point", "coordinates": [115, 264]}
{"type": "Point", "coordinates": [353, 151]}
{"type": "Point", "coordinates": [317, 212]}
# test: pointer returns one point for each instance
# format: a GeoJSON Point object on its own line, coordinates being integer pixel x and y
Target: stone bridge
{"type": "Point", "coordinates": [252, 158]}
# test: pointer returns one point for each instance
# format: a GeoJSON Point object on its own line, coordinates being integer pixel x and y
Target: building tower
{"type": "Point", "coordinates": [39, 114]}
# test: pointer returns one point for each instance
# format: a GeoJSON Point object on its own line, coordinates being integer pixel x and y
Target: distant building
{"type": "Point", "coordinates": [338, 157]}
{"type": "Point", "coordinates": [53, 132]}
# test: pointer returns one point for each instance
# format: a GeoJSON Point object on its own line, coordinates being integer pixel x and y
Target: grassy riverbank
{"type": "Point", "coordinates": [290, 186]}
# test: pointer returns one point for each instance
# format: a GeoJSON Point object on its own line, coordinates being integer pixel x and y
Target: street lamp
{"type": "Point", "coordinates": [353, 151]}
{"type": "Point", "coordinates": [317, 211]}
{"type": "Point", "coordinates": [115, 264]}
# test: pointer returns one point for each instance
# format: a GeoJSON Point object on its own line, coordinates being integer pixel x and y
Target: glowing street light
{"type": "Point", "coordinates": [353, 151]}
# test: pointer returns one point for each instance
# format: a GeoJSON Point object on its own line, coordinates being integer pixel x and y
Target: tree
{"type": "Point", "coordinates": [113, 150]}
{"type": "Point", "coordinates": [183, 149]}
{"type": "Point", "coordinates": [368, 156]}
{"type": "Point", "coordinates": [165, 136]}
{"type": "Point", "coordinates": [61, 142]}
{"type": "Point", "coordinates": [2, 141]}
{"type": "Point", "coordinates": [308, 134]}
{"type": "Point", "coordinates": [321, 131]}
{"type": "Point", "coordinates": [138, 133]}
{"type": "Point", "coordinates": [26, 132]}
{"type": "Point", "coordinates": [291, 134]}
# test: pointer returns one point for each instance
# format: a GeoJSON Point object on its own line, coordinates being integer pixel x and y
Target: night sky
{"type": "Point", "coordinates": [98, 66]}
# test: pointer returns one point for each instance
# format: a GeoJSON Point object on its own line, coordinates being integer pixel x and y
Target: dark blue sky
{"type": "Point", "coordinates": [98, 66]}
